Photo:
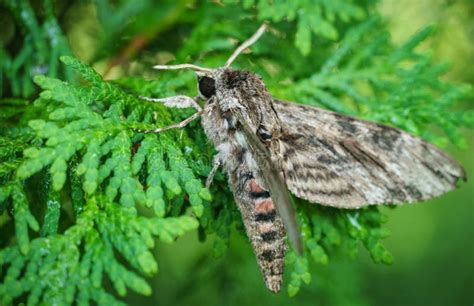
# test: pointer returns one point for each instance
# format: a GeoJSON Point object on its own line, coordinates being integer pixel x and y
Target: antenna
{"type": "Point", "coordinates": [232, 58]}
{"type": "Point", "coordinates": [246, 44]}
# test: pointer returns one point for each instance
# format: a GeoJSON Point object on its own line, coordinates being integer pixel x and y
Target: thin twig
{"type": "Point", "coordinates": [182, 66]}
{"type": "Point", "coordinates": [133, 47]}
{"type": "Point", "coordinates": [246, 44]}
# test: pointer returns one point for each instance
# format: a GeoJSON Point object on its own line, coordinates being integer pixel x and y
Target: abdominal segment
{"type": "Point", "coordinates": [263, 224]}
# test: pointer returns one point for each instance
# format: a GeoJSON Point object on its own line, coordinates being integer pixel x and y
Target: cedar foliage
{"type": "Point", "coordinates": [83, 198]}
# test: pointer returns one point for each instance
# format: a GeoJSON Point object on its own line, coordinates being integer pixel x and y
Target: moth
{"type": "Point", "coordinates": [269, 147]}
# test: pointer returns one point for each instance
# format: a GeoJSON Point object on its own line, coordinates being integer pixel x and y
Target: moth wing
{"type": "Point", "coordinates": [275, 183]}
{"type": "Point", "coordinates": [341, 161]}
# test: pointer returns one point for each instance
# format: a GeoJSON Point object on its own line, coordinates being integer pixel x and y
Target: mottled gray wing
{"type": "Point", "coordinates": [273, 176]}
{"type": "Point", "coordinates": [341, 161]}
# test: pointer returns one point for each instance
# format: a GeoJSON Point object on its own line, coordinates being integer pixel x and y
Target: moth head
{"type": "Point", "coordinates": [229, 79]}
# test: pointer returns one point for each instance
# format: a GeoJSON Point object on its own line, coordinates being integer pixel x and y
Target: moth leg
{"type": "Point", "coordinates": [176, 102]}
{"type": "Point", "coordinates": [179, 125]}
{"type": "Point", "coordinates": [217, 162]}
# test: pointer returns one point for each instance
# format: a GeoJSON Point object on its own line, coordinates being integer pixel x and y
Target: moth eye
{"type": "Point", "coordinates": [207, 86]}
{"type": "Point", "coordinates": [264, 134]}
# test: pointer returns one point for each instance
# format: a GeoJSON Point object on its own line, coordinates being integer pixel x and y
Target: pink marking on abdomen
{"type": "Point", "coordinates": [264, 206]}
{"type": "Point", "coordinates": [266, 227]}
{"type": "Point", "coordinates": [254, 187]}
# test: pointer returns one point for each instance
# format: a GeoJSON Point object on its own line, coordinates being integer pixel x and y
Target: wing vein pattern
{"type": "Point", "coordinates": [341, 161]}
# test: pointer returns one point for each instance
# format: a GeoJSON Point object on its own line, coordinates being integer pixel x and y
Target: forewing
{"type": "Point", "coordinates": [341, 161]}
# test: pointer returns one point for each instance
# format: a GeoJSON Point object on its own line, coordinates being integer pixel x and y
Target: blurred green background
{"type": "Point", "coordinates": [433, 243]}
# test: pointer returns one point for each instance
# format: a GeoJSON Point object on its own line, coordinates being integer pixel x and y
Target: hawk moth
{"type": "Point", "coordinates": [269, 147]}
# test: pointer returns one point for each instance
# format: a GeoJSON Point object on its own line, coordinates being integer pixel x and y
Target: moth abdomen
{"type": "Point", "coordinates": [267, 255]}
{"type": "Point", "coordinates": [263, 225]}
{"type": "Point", "coordinates": [269, 236]}
{"type": "Point", "coordinates": [257, 192]}
{"type": "Point", "coordinates": [259, 195]}
{"type": "Point", "coordinates": [266, 216]}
